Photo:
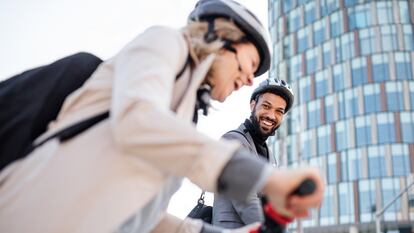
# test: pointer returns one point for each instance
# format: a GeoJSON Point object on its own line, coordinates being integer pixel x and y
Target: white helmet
{"type": "Point", "coordinates": [278, 87]}
{"type": "Point", "coordinates": [206, 10]}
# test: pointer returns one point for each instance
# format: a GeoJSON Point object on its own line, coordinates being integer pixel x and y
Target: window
{"type": "Point", "coordinates": [359, 17]}
{"type": "Point", "coordinates": [338, 77]}
{"type": "Point", "coordinates": [403, 66]}
{"type": "Point", "coordinates": [306, 144]}
{"type": "Point", "coordinates": [326, 54]}
{"type": "Point", "coordinates": [273, 33]}
{"type": "Point", "coordinates": [411, 87]}
{"type": "Point", "coordinates": [386, 128]}
{"type": "Point", "coordinates": [350, 2]}
{"type": "Point", "coordinates": [380, 67]}
{"type": "Point", "coordinates": [310, 13]}
{"type": "Point", "coordinates": [291, 148]}
{"type": "Point", "coordinates": [324, 140]}
{"type": "Point", "coordinates": [347, 45]}
{"type": "Point", "coordinates": [301, 2]}
{"type": "Point", "coordinates": [329, 109]}
{"type": "Point", "coordinates": [276, 9]}
{"type": "Point", "coordinates": [407, 126]}
{"type": "Point", "coordinates": [280, 27]}
{"type": "Point", "coordinates": [367, 41]}
{"type": "Point", "coordinates": [337, 27]}
{"type": "Point", "coordinates": [344, 166]}
{"type": "Point", "coordinates": [400, 160]}
{"type": "Point", "coordinates": [288, 46]}
{"type": "Point", "coordinates": [328, 6]}
{"type": "Point", "coordinates": [328, 205]}
{"type": "Point", "coordinates": [295, 69]}
{"type": "Point", "coordinates": [342, 131]}
{"type": "Point", "coordinates": [338, 51]}
{"type": "Point", "coordinates": [359, 71]}
{"type": "Point", "coordinates": [277, 54]}
{"type": "Point", "coordinates": [390, 189]}
{"type": "Point", "coordinates": [346, 203]}
{"type": "Point", "coordinates": [351, 102]}
{"type": "Point", "coordinates": [305, 89]}
{"type": "Point", "coordinates": [408, 37]}
{"type": "Point", "coordinates": [303, 39]}
{"type": "Point", "coordinates": [404, 13]}
{"type": "Point", "coordinates": [376, 162]}
{"type": "Point", "coordinates": [321, 83]}
{"type": "Point", "coordinates": [341, 105]}
{"type": "Point", "coordinates": [389, 38]}
{"type": "Point", "coordinates": [288, 5]}
{"type": "Point", "coordinates": [311, 61]}
{"type": "Point", "coordinates": [294, 20]}
{"type": "Point", "coordinates": [354, 164]}
{"type": "Point", "coordinates": [319, 32]}
{"type": "Point", "coordinates": [363, 131]}
{"type": "Point", "coordinates": [332, 168]}
{"type": "Point", "coordinates": [395, 97]}
{"type": "Point", "coordinates": [384, 12]}
{"type": "Point", "coordinates": [314, 114]}
{"type": "Point", "coordinates": [372, 98]}
{"type": "Point", "coordinates": [367, 199]}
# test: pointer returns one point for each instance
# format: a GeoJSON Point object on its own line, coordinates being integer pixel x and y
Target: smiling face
{"type": "Point", "coordinates": [268, 112]}
{"type": "Point", "coordinates": [232, 70]}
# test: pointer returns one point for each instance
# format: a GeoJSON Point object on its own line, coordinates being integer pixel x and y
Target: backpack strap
{"type": "Point", "coordinates": [71, 131]}
{"type": "Point", "coordinates": [77, 128]}
{"type": "Point", "coordinates": [187, 61]}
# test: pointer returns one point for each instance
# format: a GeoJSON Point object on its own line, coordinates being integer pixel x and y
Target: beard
{"type": "Point", "coordinates": [256, 124]}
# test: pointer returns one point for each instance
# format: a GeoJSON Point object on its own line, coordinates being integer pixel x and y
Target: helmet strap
{"type": "Point", "coordinates": [203, 98]}
{"type": "Point", "coordinates": [211, 35]}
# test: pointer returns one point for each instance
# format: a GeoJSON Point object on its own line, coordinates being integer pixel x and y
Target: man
{"type": "Point", "coordinates": [268, 103]}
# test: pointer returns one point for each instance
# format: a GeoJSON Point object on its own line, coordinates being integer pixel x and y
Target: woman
{"type": "Point", "coordinates": [133, 162]}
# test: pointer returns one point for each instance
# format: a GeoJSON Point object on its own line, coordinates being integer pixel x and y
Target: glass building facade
{"type": "Point", "coordinates": [350, 63]}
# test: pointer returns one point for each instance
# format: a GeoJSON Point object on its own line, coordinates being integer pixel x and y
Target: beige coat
{"type": "Point", "coordinates": [95, 181]}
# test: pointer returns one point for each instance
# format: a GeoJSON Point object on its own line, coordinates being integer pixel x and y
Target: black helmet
{"type": "Point", "coordinates": [278, 87]}
{"type": "Point", "coordinates": [244, 19]}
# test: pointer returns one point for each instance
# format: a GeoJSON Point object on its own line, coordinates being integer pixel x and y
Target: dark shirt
{"type": "Point", "coordinates": [258, 138]}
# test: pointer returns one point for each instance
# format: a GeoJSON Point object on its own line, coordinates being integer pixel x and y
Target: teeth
{"type": "Point", "coordinates": [268, 123]}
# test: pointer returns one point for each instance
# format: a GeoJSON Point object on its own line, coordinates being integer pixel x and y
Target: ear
{"type": "Point", "coordinates": [252, 105]}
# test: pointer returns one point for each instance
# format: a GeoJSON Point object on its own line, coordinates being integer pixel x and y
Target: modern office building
{"type": "Point", "coordinates": [351, 65]}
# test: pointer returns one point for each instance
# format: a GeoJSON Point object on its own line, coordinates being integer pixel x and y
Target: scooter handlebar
{"type": "Point", "coordinates": [275, 222]}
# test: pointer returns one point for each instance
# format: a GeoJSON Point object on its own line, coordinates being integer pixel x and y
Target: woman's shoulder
{"type": "Point", "coordinates": [162, 38]}
{"type": "Point", "coordinates": [163, 32]}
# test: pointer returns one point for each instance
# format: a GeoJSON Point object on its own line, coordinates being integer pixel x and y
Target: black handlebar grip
{"type": "Point", "coordinates": [307, 187]}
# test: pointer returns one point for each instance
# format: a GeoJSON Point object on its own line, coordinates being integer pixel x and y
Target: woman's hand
{"type": "Point", "coordinates": [282, 183]}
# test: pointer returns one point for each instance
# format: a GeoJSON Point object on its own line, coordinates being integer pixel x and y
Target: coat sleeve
{"type": "Point", "coordinates": [143, 124]}
{"type": "Point", "coordinates": [250, 210]}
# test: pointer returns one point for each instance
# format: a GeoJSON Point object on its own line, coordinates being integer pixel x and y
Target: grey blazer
{"type": "Point", "coordinates": [230, 213]}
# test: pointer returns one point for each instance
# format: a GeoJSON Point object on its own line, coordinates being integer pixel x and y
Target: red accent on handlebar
{"type": "Point", "coordinates": [269, 211]}
{"type": "Point", "coordinates": [255, 230]}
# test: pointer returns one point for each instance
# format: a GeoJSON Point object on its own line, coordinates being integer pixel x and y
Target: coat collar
{"type": "Point", "coordinates": [198, 74]}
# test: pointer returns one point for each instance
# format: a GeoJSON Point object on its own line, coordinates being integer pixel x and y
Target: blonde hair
{"type": "Point", "coordinates": [225, 29]}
